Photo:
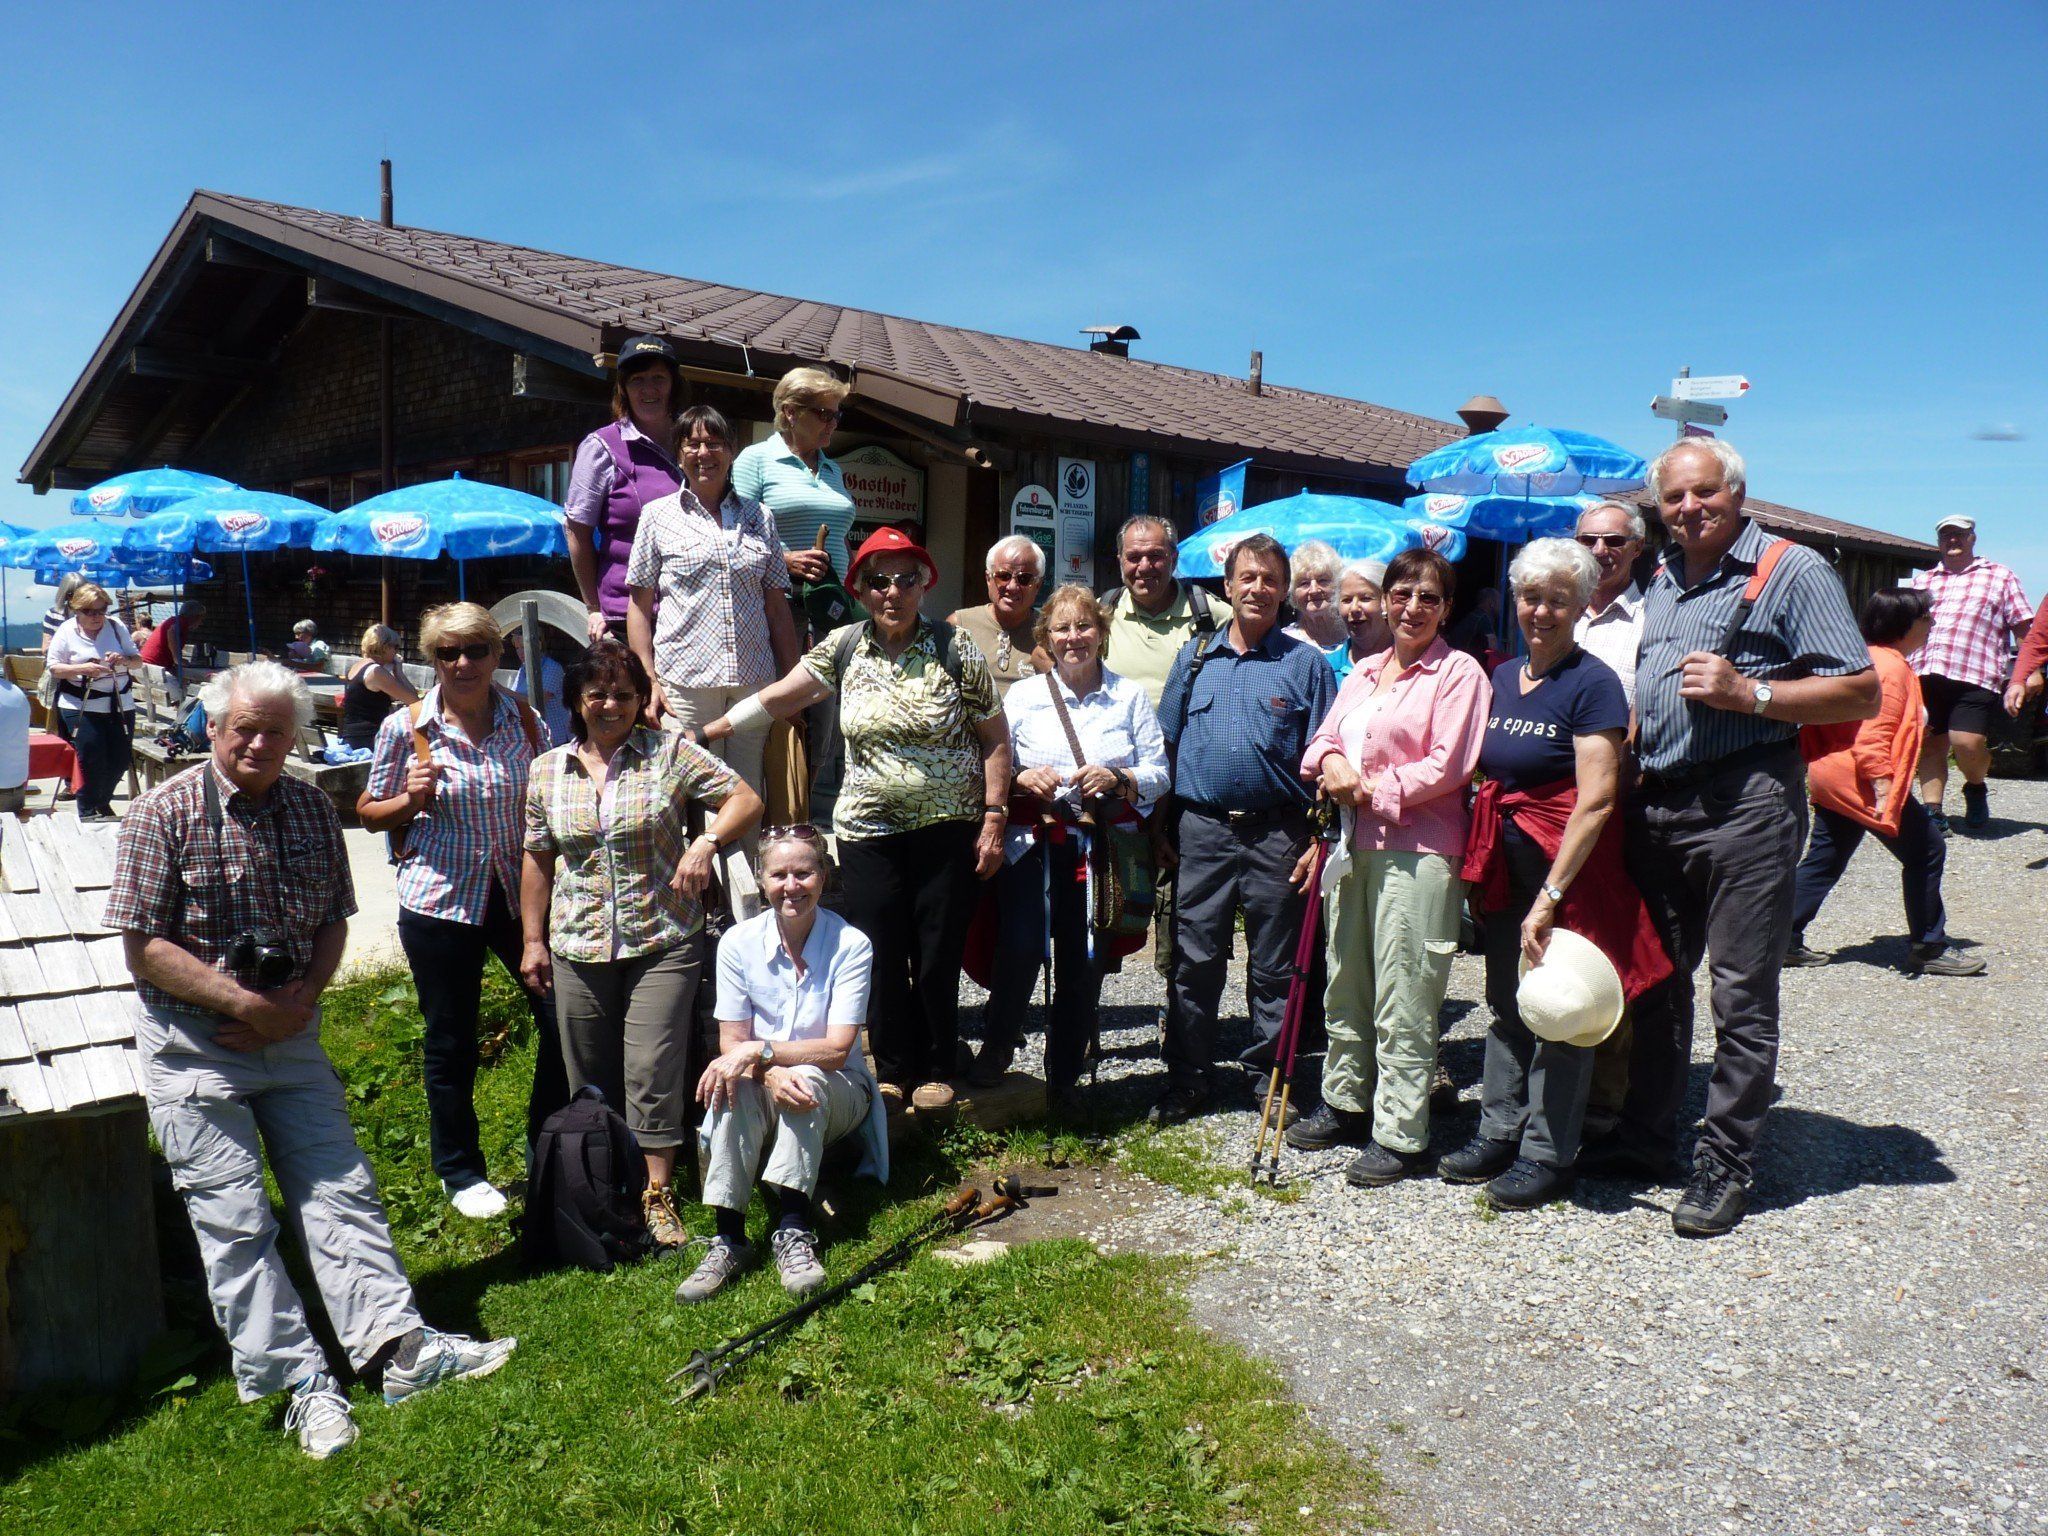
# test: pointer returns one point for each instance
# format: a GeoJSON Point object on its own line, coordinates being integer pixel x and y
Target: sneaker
{"type": "Point", "coordinates": [1713, 1202]}
{"type": "Point", "coordinates": [724, 1259]}
{"type": "Point", "coordinates": [446, 1357]}
{"type": "Point", "coordinates": [1477, 1161]}
{"type": "Point", "coordinates": [1527, 1185]}
{"type": "Point", "coordinates": [1330, 1127]}
{"type": "Point", "coordinates": [1177, 1104]}
{"type": "Point", "coordinates": [1943, 960]}
{"type": "Point", "coordinates": [796, 1260]}
{"type": "Point", "coordinates": [1799, 954]}
{"type": "Point", "coordinates": [659, 1207]}
{"type": "Point", "coordinates": [1612, 1158]}
{"type": "Point", "coordinates": [930, 1096]}
{"type": "Point", "coordinates": [320, 1416]}
{"type": "Point", "coordinates": [1378, 1165]}
{"type": "Point", "coordinates": [1976, 807]}
{"type": "Point", "coordinates": [478, 1201]}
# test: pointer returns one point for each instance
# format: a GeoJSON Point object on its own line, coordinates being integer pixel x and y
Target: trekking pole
{"type": "Point", "coordinates": [706, 1368]}
{"type": "Point", "coordinates": [1280, 1085]}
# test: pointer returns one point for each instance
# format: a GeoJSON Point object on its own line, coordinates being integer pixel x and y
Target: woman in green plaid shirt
{"type": "Point", "coordinates": [610, 901]}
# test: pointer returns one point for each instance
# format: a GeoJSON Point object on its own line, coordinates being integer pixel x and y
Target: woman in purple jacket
{"type": "Point", "coordinates": [620, 469]}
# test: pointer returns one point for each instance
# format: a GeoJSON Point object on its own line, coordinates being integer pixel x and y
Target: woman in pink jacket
{"type": "Point", "coordinates": [1396, 752]}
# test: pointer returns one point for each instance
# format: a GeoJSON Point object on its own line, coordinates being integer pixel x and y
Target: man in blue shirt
{"type": "Point", "coordinates": [1237, 713]}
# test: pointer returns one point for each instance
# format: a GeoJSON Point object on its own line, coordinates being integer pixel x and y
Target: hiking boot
{"type": "Point", "coordinates": [1612, 1158]}
{"type": "Point", "coordinates": [1713, 1202]}
{"type": "Point", "coordinates": [1943, 960]}
{"type": "Point", "coordinates": [932, 1096]}
{"type": "Point", "coordinates": [796, 1260]}
{"type": "Point", "coordinates": [477, 1200]}
{"type": "Point", "coordinates": [1527, 1185]}
{"type": "Point", "coordinates": [1330, 1127]}
{"type": "Point", "coordinates": [892, 1097]}
{"type": "Point", "coordinates": [658, 1206]}
{"type": "Point", "coordinates": [990, 1066]}
{"type": "Point", "coordinates": [1799, 954]}
{"type": "Point", "coordinates": [1976, 807]}
{"type": "Point", "coordinates": [722, 1260]}
{"type": "Point", "coordinates": [1477, 1161]}
{"type": "Point", "coordinates": [320, 1416]}
{"type": "Point", "coordinates": [445, 1357]}
{"type": "Point", "coordinates": [1378, 1165]}
{"type": "Point", "coordinates": [1177, 1104]}
{"type": "Point", "coordinates": [1939, 817]}
{"type": "Point", "coordinates": [1443, 1090]}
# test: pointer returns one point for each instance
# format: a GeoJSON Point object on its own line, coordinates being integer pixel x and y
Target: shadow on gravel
{"type": "Point", "coordinates": [1807, 1153]}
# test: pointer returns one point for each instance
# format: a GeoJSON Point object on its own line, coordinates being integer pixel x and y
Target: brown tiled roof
{"type": "Point", "coordinates": [999, 374]}
{"type": "Point", "coordinates": [1812, 528]}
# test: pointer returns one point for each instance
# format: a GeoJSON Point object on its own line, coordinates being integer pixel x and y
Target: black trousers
{"type": "Point", "coordinates": [1918, 848]}
{"type": "Point", "coordinates": [912, 894]}
{"type": "Point", "coordinates": [102, 744]}
{"type": "Point", "coordinates": [447, 960]}
{"type": "Point", "coordinates": [1022, 918]}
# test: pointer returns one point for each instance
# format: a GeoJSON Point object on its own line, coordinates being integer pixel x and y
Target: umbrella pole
{"type": "Point", "coordinates": [249, 602]}
{"type": "Point", "coordinates": [461, 584]}
{"type": "Point", "coordinates": [384, 581]}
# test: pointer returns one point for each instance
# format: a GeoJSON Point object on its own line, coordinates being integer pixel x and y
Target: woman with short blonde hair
{"type": "Point", "coordinates": [90, 656]}
{"type": "Point", "coordinates": [370, 688]}
{"type": "Point", "coordinates": [789, 474]}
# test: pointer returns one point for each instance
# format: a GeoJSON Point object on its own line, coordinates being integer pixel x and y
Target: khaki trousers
{"type": "Point", "coordinates": [1393, 930]}
{"type": "Point", "coordinates": [794, 1139]}
{"type": "Point", "coordinates": [742, 752]}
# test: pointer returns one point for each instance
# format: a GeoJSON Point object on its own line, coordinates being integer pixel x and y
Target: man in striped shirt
{"type": "Point", "coordinates": [1716, 828]}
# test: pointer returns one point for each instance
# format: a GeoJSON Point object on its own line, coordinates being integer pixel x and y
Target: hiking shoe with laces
{"type": "Point", "coordinates": [1527, 1185]}
{"type": "Point", "coordinates": [1443, 1089]}
{"type": "Point", "coordinates": [1378, 1165]}
{"type": "Point", "coordinates": [1477, 1161]}
{"type": "Point", "coordinates": [1943, 960]}
{"type": "Point", "coordinates": [1329, 1127]}
{"type": "Point", "coordinates": [659, 1207]}
{"type": "Point", "coordinates": [1799, 955]}
{"type": "Point", "coordinates": [1177, 1104]}
{"type": "Point", "coordinates": [796, 1260]}
{"type": "Point", "coordinates": [320, 1416]}
{"type": "Point", "coordinates": [443, 1358]}
{"type": "Point", "coordinates": [722, 1260]}
{"type": "Point", "coordinates": [1713, 1202]}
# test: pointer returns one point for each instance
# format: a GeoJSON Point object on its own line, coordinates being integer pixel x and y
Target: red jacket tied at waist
{"type": "Point", "coordinates": [1603, 904]}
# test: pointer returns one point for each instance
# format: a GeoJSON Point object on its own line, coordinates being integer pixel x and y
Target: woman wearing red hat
{"type": "Point", "coordinates": [923, 808]}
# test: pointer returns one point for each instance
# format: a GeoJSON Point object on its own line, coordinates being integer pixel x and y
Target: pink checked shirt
{"type": "Point", "coordinates": [1422, 741]}
{"type": "Point", "coordinates": [1975, 609]}
{"type": "Point", "coordinates": [473, 831]}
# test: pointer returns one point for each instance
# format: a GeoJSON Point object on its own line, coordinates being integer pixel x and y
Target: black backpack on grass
{"type": "Point", "coordinates": [583, 1202]}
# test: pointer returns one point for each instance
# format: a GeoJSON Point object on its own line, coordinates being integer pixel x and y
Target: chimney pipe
{"type": "Point", "coordinates": [1258, 372]}
{"type": "Point", "coordinates": [1482, 413]}
{"type": "Point", "coordinates": [384, 193]}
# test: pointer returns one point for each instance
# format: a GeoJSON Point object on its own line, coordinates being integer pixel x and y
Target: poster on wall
{"type": "Point", "coordinates": [1220, 494]}
{"type": "Point", "coordinates": [1074, 540]}
{"type": "Point", "coordinates": [1034, 514]}
{"type": "Point", "coordinates": [885, 489]}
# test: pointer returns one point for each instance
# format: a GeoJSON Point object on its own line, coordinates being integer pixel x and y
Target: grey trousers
{"type": "Point", "coordinates": [1227, 868]}
{"type": "Point", "coordinates": [1715, 862]}
{"type": "Point", "coordinates": [795, 1140]}
{"type": "Point", "coordinates": [1532, 1091]}
{"type": "Point", "coordinates": [215, 1112]}
{"type": "Point", "coordinates": [626, 1030]}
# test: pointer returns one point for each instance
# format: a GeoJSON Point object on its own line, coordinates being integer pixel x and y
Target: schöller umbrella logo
{"type": "Point", "coordinates": [78, 549]}
{"type": "Point", "coordinates": [1434, 536]}
{"type": "Point", "coordinates": [1513, 457]}
{"type": "Point", "coordinates": [104, 497]}
{"type": "Point", "coordinates": [1442, 505]}
{"type": "Point", "coordinates": [243, 525]}
{"type": "Point", "coordinates": [402, 531]}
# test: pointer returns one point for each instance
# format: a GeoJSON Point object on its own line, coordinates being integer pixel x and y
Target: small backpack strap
{"type": "Point", "coordinates": [1751, 591]}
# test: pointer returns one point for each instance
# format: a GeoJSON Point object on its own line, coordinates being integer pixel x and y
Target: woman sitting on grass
{"type": "Point", "coordinates": [790, 1079]}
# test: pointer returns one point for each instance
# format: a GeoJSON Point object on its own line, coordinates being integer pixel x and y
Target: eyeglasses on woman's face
{"type": "Point", "coordinates": [476, 650]}
{"type": "Point", "coordinates": [1416, 597]}
{"type": "Point", "coordinates": [829, 414]}
{"type": "Point", "coordinates": [597, 698]}
{"type": "Point", "coordinates": [893, 581]}
{"type": "Point", "coordinates": [91, 613]}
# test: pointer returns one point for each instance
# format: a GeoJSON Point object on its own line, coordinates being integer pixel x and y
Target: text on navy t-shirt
{"type": "Point", "coordinates": [1529, 735]}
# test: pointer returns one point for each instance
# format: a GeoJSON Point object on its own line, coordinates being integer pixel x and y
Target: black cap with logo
{"type": "Point", "coordinates": [647, 349]}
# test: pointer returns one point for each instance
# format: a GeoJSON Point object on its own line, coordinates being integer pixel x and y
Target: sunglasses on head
{"type": "Point", "coordinates": [802, 831]}
{"type": "Point", "coordinates": [900, 581]}
{"type": "Point", "coordinates": [476, 650]}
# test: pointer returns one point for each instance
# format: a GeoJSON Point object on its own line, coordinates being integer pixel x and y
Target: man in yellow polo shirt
{"type": "Point", "coordinates": [1154, 614]}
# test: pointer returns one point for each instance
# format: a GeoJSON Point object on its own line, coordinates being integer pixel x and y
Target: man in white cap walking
{"type": "Point", "coordinates": [1977, 605]}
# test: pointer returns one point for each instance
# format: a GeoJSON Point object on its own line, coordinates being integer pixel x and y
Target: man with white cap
{"type": "Point", "coordinates": [1977, 605]}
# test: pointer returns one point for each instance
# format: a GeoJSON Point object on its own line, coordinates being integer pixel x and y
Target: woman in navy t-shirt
{"type": "Point", "coordinates": [1557, 723]}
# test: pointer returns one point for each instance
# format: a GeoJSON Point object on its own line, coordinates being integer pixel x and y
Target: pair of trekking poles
{"type": "Point", "coordinates": [1280, 1084]}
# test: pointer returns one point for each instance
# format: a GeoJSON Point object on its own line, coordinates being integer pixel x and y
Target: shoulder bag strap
{"type": "Point", "coordinates": [1059, 704]}
{"type": "Point", "coordinates": [1751, 591]}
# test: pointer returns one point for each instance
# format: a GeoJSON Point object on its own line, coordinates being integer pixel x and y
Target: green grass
{"type": "Point", "coordinates": [1055, 1390]}
{"type": "Point", "coordinates": [1184, 1157]}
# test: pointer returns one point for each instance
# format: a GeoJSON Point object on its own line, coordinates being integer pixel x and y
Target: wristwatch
{"type": "Point", "coordinates": [1763, 698]}
{"type": "Point", "coordinates": [767, 1053]}
{"type": "Point", "coordinates": [1554, 892]}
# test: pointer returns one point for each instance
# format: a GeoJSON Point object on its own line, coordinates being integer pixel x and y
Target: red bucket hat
{"type": "Point", "coordinates": [891, 541]}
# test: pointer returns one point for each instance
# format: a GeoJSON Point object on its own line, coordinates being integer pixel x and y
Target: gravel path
{"type": "Point", "coordinates": [1866, 1352]}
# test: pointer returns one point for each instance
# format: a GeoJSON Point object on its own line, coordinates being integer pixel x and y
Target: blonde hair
{"type": "Point", "coordinates": [814, 846]}
{"type": "Point", "coordinates": [1073, 595]}
{"type": "Point", "coordinates": [86, 593]}
{"type": "Point", "coordinates": [806, 386]}
{"type": "Point", "coordinates": [378, 637]}
{"type": "Point", "coordinates": [457, 623]}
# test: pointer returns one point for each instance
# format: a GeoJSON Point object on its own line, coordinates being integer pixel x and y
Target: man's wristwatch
{"type": "Point", "coordinates": [1763, 698]}
{"type": "Point", "coordinates": [767, 1053]}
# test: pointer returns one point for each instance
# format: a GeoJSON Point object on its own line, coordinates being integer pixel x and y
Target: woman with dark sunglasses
{"type": "Point", "coordinates": [448, 780]}
{"type": "Point", "coordinates": [922, 812]}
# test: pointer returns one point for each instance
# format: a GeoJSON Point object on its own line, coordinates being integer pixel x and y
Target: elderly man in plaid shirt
{"type": "Point", "coordinates": [1977, 605]}
{"type": "Point", "coordinates": [232, 896]}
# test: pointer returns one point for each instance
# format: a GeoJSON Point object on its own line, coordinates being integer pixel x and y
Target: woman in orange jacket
{"type": "Point", "coordinates": [1860, 774]}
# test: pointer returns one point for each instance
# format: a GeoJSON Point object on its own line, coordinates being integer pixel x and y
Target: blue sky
{"type": "Point", "coordinates": [1559, 205]}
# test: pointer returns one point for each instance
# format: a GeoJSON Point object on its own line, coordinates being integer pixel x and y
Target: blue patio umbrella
{"type": "Point", "coordinates": [143, 491]}
{"type": "Point", "coordinates": [1357, 527]}
{"type": "Point", "coordinates": [69, 546]}
{"type": "Point", "coordinates": [1529, 461]}
{"type": "Point", "coordinates": [462, 519]}
{"type": "Point", "coordinates": [129, 573]}
{"type": "Point", "coordinates": [230, 520]}
{"type": "Point", "coordinates": [9, 532]}
{"type": "Point", "coordinates": [1510, 519]}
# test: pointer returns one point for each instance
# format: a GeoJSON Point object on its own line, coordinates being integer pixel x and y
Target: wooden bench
{"type": "Point", "coordinates": [156, 714]}
{"type": "Point", "coordinates": [26, 672]}
{"type": "Point", "coordinates": [340, 782]}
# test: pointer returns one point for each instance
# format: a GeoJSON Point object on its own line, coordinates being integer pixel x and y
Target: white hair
{"type": "Point", "coordinates": [1734, 474]}
{"type": "Point", "coordinates": [257, 682]}
{"type": "Point", "coordinates": [1543, 561]}
{"type": "Point", "coordinates": [1372, 571]}
{"type": "Point", "coordinates": [1637, 529]}
{"type": "Point", "coordinates": [1016, 541]}
{"type": "Point", "coordinates": [1312, 557]}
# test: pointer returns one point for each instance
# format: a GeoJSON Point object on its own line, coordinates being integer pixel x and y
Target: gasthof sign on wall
{"type": "Point", "coordinates": [1035, 514]}
{"type": "Point", "coordinates": [1074, 535]}
{"type": "Point", "coordinates": [884, 489]}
